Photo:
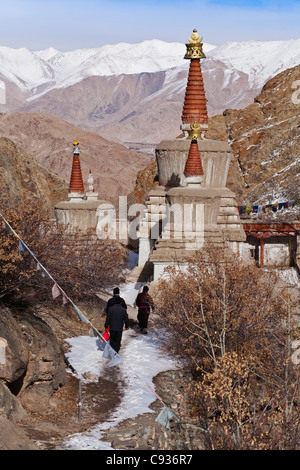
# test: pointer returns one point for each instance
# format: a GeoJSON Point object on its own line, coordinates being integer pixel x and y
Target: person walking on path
{"type": "Point", "coordinates": [144, 302]}
{"type": "Point", "coordinates": [112, 301]}
{"type": "Point", "coordinates": [116, 318]}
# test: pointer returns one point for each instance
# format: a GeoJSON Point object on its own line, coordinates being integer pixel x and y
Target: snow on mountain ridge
{"type": "Point", "coordinates": [24, 68]}
{"type": "Point", "coordinates": [47, 54]}
{"type": "Point", "coordinates": [30, 69]}
{"type": "Point", "coordinates": [148, 56]}
{"type": "Point", "coordinates": [34, 68]}
{"type": "Point", "coordinates": [260, 60]}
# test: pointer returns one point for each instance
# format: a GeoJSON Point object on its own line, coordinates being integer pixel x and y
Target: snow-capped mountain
{"type": "Point", "coordinates": [125, 92]}
{"type": "Point", "coordinates": [29, 70]}
{"type": "Point", "coordinates": [24, 68]}
{"type": "Point", "coordinates": [259, 60]}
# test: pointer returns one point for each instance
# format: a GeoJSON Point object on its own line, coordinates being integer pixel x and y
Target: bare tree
{"type": "Point", "coordinates": [78, 261]}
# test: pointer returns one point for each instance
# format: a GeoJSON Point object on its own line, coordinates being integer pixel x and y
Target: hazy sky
{"type": "Point", "coordinates": [68, 25]}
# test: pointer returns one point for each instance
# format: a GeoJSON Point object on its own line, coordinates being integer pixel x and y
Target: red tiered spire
{"type": "Point", "coordinates": [193, 166]}
{"type": "Point", "coordinates": [194, 108]}
{"type": "Point", "coordinates": [76, 181]}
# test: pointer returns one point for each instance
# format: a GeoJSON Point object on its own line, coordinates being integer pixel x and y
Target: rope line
{"type": "Point", "coordinates": [84, 319]}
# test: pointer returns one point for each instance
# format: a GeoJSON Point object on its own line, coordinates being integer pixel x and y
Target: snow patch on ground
{"type": "Point", "coordinates": [142, 360]}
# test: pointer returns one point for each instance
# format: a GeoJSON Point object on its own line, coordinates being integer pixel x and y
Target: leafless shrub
{"type": "Point", "coordinates": [78, 261]}
{"type": "Point", "coordinates": [231, 325]}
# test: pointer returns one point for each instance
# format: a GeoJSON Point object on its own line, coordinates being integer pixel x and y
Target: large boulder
{"type": "Point", "coordinates": [32, 365]}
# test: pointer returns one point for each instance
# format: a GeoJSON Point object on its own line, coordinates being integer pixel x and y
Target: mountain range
{"type": "Point", "coordinates": [133, 93]}
{"type": "Point", "coordinates": [117, 100]}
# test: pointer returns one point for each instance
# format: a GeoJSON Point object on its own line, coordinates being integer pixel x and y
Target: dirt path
{"type": "Point", "coordinates": [100, 399]}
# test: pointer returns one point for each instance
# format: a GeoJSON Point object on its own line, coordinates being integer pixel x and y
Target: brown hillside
{"type": "Point", "coordinates": [265, 141]}
{"type": "Point", "coordinates": [50, 141]}
{"type": "Point", "coordinates": [143, 108]}
{"type": "Point", "coordinates": [23, 179]}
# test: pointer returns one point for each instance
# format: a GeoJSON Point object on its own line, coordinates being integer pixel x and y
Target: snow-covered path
{"type": "Point", "coordinates": [142, 360]}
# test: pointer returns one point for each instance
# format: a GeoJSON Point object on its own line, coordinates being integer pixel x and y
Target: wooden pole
{"type": "Point", "coordinates": [262, 249]}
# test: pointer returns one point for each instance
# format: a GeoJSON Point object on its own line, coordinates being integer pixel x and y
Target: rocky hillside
{"type": "Point", "coordinates": [120, 108]}
{"type": "Point", "coordinates": [265, 142]}
{"type": "Point", "coordinates": [50, 141]}
{"type": "Point", "coordinates": [22, 178]}
{"type": "Point", "coordinates": [37, 396]}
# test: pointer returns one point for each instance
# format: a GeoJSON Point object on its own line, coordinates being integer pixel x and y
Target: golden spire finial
{"type": "Point", "coordinates": [195, 131]}
{"type": "Point", "coordinates": [194, 39]}
{"type": "Point", "coordinates": [76, 148]}
{"type": "Point", "coordinates": [194, 48]}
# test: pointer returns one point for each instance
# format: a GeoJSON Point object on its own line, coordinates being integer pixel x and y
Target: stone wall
{"type": "Point", "coordinates": [82, 214]}
{"type": "Point", "coordinates": [171, 156]}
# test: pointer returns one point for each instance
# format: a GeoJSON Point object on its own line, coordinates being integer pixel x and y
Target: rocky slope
{"type": "Point", "coordinates": [38, 397]}
{"type": "Point", "coordinates": [50, 141]}
{"type": "Point", "coordinates": [22, 179]}
{"type": "Point", "coordinates": [33, 368]}
{"type": "Point", "coordinates": [265, 142]}
{"type": "Point", "coordinates": [34, 364]}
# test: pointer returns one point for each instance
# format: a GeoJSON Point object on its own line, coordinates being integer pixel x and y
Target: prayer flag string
{"type": "Point", "coordinates": [108, 352]}
{"type": "Point", "coordinates": [56, 289]}
{"type": "Point", "coordinates": [261, 209]}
